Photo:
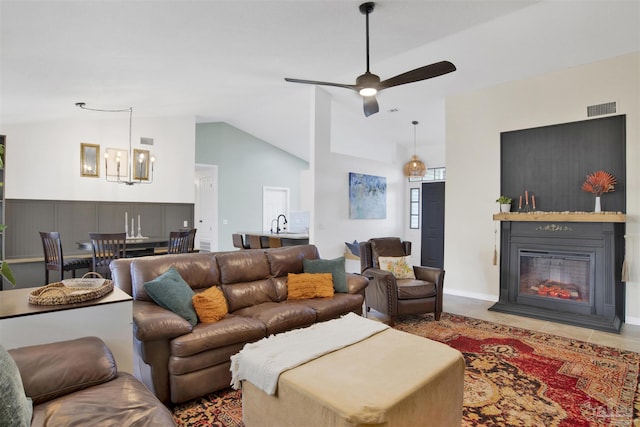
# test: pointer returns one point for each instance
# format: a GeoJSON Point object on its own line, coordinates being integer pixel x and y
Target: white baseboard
{"type": "Point", "coordinates": [474, 295]}
{"type": "Point", "coordinates": [632, 320]}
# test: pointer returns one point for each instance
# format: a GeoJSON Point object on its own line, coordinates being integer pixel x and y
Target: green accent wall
{"type": "Point", "coordinates": [246, 164]}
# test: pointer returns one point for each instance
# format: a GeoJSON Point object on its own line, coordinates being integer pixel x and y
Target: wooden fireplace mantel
{"type": "Point", "coordinates": [542, 216]}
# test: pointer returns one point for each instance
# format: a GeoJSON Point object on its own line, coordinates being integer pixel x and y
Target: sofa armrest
{"type": "Point", "coordinates": [434, 275]}
{"type": "Point", "coordinates": [356, 283]}
{"type": "Point", "coordinates": [56, 369]}
{"type": "Point", "coordinates": [152, 322]}
{"type": "Point", "coordinates": [429, 274]}
{"type": "Point", "coordinates": [381, 294]}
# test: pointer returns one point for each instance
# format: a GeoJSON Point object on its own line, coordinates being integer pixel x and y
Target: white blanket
{"type": "Point", "coordinates": [262, 362]}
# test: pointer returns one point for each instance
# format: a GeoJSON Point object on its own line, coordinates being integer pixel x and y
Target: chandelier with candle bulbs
{"type": "Point", "coordinates": [133, 165]}
{"type": "Point", "coordinates": [415, 168]}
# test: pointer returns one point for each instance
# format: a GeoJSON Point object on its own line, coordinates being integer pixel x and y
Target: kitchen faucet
{"type": "Point", "coordinates": [278, 223]}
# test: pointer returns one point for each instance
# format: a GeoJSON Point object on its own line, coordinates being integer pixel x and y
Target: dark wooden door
{"type": "Point", "coordinates": [433, 224]}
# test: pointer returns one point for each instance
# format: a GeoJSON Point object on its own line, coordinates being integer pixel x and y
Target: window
{"type": "Point", "coordinates": [414, 208]}
{"type": "Point", "coordinates": [433, 174]}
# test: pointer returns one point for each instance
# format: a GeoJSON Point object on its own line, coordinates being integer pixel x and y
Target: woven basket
{"type": "Point", "coordinates": [72, 291]}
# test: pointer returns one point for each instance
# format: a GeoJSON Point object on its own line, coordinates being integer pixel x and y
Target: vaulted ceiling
{"type": "Point", "coordinates": [226, 60]}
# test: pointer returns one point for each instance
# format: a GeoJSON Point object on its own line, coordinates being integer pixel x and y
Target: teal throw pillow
{"type": "Point", "coordinates": [170, 291]}
{"type": "Point", "coordinates": [16, 408]}
{"type": "Point", "coordinates": [333, 266]}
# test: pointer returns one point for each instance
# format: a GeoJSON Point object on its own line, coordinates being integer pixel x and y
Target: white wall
{"type": "Point", "coordinates": [474, 123]}
{"type": "Point", "coordinates": [331, 223]}
{"type": "Point", "coordinates": [43, 158]}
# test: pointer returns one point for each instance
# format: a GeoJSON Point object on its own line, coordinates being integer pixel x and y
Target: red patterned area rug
{"type": "Point", "coordinates": [514, 377]}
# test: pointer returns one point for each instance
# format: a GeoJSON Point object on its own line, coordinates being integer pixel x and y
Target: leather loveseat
{"type": "Point", "coordinates": [77, 383]}
{"type": "Point", "coordinates": [178, 361]}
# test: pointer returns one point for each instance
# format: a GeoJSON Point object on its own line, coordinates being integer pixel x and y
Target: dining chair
{"type": "Point", "coordinates": [238, 241]}
{"type": "Point", "coordinates": [179, 242]}
{"type": "Point", "coordinates": [275, 242]}
{"type": "Point", "coordinates": [54, 259]}
{"type": "Point", "coordinates": [106, 248]}
{"type": "Point", "coordinates": [192, 239]}
{"type": "Point", "coordinates": [255, 242]}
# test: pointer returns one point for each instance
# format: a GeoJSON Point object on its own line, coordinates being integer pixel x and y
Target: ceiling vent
{"type": "Point", "coordinates": [600, 109]}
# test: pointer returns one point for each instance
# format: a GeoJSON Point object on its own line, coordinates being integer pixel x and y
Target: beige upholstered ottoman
{"type": "Point", "coordinates": [390, 379]}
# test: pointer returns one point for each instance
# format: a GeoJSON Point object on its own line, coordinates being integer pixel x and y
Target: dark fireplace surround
{"type": "Point", "coordinates": [562, 263]}
{"type": "Point", "coordinates": [566, 272]}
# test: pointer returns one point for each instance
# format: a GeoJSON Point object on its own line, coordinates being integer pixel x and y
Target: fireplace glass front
{"type": "Point", "coordinates": [555, 276]}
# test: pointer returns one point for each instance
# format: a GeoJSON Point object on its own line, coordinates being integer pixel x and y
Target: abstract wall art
{"type": "Point", "coordinates": [367, 196]}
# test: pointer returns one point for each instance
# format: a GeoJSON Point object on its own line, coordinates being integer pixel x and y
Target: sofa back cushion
{"type": "Point", "coordinates": [242, 266]}
{"type": "Point", "coordinates": [288, 259]}
{"type": "Point", "coordinates": [200, 271]}
{"type": "Point", "coordinates": [246, 294]}
{"type": "Point", "coordinates": [386, 247]}
{"type": "Point", "coordinates": [56, 369]}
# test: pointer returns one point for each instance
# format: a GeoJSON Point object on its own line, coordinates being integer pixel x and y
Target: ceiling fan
{"type": "Point", "coordinates": [368, 84]}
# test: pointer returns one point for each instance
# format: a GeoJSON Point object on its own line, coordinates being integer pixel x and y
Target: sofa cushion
{"type": "Point", "coordinates": [210, 305]}
{"type": "Point", "coordinates": [333, 266]}
{"type": "Point", "coordinates": [199, 270]}
{"type": "Point", "coordinates": [56, 369]}
{"type": "Point", "coordinates": [240, 295]}
{"type": "Point", "coordinates": [288, 259]}
{"type": "Point", "coordinates": [206, 336]}
{"type": "Point", "coordinates": [281, 317]}
{"type": "Point", "coordinates": [170, 291]}
{"type": "Point", "coordinates": [385, 247]}
{"type": "Point", "coordinates": [16, 408]}
{"type": "Point", "coordinates": [124, 401]}
{"type": "Point", "coordinates": [331, 308]}
{"type": "Point", "coordinates": [414, 289]}
{"type": "Point", "coordinates": [308, 285]}
{"type": "Point", "coordinates": [400, 267]}
{"type": "Point", "coordinates": [242, 266]}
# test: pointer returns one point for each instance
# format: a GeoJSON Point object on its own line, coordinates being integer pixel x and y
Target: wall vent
{"type": "Point", "coordinates": [205, 245]}
{"type": "Point", "coordinates": [146, 141]}
{"type": "Point", "coordinates": [601, 109]}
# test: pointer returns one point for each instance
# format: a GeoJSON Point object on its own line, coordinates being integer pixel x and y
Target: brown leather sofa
{"type": "Point", "coordinates": [395, 297]}
{"type": "Point", "coordinates": [77, 383]}
{"type": "Point", "coordinates": [178, 361]}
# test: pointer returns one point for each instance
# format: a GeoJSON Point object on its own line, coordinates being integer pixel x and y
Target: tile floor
{"type": "Point", "coordinates": [628, 339]}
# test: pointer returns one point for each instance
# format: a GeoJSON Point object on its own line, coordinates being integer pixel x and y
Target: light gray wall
{"type": "Point", "coordinates": [246, 164]}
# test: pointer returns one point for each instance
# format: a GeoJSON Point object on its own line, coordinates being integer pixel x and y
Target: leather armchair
{"type": "Point", "coordinates": [395, 297]}
{"type": "Point", "coordinates": [77, 383]}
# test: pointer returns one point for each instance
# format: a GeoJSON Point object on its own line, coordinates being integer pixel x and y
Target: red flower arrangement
{"type": "Point", "coordinates": [599, 182]}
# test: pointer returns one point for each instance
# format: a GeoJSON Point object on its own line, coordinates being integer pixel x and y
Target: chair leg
{"type": "Point", "coordinates": [392, 320]}
{"type": "Point", "coordinates": [437, 315]}
{"type": "Point", "coordinates": [46, 276]}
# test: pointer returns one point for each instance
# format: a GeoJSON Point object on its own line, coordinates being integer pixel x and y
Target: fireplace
{"type": "Point", "coordinates": [567, 272]}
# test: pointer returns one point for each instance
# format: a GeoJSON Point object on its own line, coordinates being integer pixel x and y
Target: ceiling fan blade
{"type": "Point", "coordinates": [313, 82]}
{"type": "Point", "coordinates": [422, 73]}
{"type": "Point", "coordinates": [370, 105]}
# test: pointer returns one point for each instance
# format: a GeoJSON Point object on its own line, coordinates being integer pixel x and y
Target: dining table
{"type": "Point", "coordinates": [135, 246]}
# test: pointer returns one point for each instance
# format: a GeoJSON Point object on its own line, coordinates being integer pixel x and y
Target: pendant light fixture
{"type": "Point", "coordinates": [137, 172]}
{"type": "Point", "coordinates": [415, 168]}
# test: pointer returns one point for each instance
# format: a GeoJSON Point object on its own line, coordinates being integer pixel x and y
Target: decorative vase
{"type": "Point", "coordinates": [505, 207]}
{"type": "Point", "coordinates": [597, 208]}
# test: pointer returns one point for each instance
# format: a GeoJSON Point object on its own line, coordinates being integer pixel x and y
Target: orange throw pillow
{"type": "Point", "coordinates": [309, 285]}
{"type": "Point", "coordinates": [210, 305]}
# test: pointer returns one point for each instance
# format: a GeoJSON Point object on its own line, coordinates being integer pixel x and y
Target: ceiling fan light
{"type": "Point", "coordinates": [368, 91]}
